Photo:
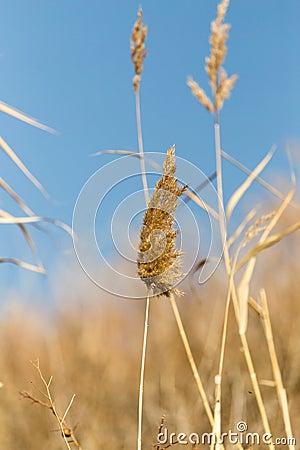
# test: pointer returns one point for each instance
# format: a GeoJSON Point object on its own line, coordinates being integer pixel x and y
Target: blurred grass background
{"type": "Point", "coordinates": [90, 343]}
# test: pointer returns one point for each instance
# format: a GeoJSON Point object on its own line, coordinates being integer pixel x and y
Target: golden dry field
{"type": "Point", "coordinates": [97, 371]}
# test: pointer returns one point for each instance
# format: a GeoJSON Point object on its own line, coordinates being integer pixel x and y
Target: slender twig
{"type": "Point", "coordinates": [66, 431]}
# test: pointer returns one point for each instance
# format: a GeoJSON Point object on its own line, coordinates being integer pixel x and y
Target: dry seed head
{"type": "Point", "coordinates": [158, 260]}
{"type": "Point", "coordinates": [218, 51]}
{"type": "Point", "coordinates": [137, 48]}
{"type": "Point", "coordinates": [200, 94]}
{"type": "Point", "coordinates": [258, 227]}
{"type": "Point", "coordinates": [221, 85]}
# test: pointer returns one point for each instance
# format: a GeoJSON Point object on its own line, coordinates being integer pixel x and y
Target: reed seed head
{"type": "Point", "coordinates": [220, 84]}
{"type": "Point", "coordinates": [158, 259]}
{"type": "Point", "coordinates": [137, 48]}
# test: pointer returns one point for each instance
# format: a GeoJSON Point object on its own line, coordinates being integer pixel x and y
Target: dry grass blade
{"type": "Point", "coordinates": [272, 240]}
{"type": "Point", "coordinates": [281, 392]}
{"type": "Point", "coordinates": [23, 264]}
{"type": "Point", "coordinates": [25, 233]}
{"type": "Point", "coordinates": [255, 306]}
{"type": "Point", "coordinates": [233, 238]}
{"type": "Point", "coordinates": [117, 152]}
{"type": "Point", "coordinates": [11, 111]}
{"type": "Point", "coordinates": [20, 202]}
{"type": "Point", "coordinates": [236, 196]}
{"type": "Point", "coordinates": [130, 153]}
{"type": "Point", "coordinates": [190, 194]}
{"type": "Point", "coordinates": [15, 197]}
{"type": "Point", "coordinates": [259, 180]}
{"type": "Point", "coordinates": [203, 205]}
{"type": "Point", "coordinates": [250, 257]}
{"type": "Point", "coordinates": [35, 219]}
{"type": "Point", "coordinates": [9, 151]}
{"type": "Point", "coordinates": [203, 185]}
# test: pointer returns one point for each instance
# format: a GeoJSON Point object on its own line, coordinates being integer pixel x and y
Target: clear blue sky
{"type": "Point", "coordinates": [67, 63]}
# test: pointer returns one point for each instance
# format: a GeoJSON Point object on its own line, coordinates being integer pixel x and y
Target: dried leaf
{"type": "Point", "coordinates": [237, 195]}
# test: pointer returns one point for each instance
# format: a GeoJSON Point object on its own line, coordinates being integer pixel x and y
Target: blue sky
{"type": "Point", "coordinates": [68, 64]}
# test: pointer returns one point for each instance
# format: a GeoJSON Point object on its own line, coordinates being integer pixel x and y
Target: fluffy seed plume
{"type": "Point", "coordinates": [137, 48]}
{"type": "Point", "coordinates": [220, 84]}
{"type": "Point", "coordinates": [158, 260]}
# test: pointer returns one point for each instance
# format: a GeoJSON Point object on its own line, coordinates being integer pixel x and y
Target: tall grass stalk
{"type": "Point", "coordinates": [142, 373]}
{"type": "Point", "coordinates": [140, 144]}
{"type": "Point", "coordinates": [221, 86]}
{"type": "Point", "coordinates": [138, 55]}
{"type": "Point", "coordinates": [191, 360]}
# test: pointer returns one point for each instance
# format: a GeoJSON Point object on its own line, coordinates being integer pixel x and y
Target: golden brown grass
{"type": "Point", "coordinates": [91, 345]}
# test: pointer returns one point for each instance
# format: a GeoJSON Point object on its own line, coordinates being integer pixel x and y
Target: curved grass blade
{"type": "Point", "coordinates": [237, 195]}
{"type": "Point", "coordinates": [26, 234]}
{"type": "Point", "coordinates": [250, 258]}
{"type": "Point", "coordinates": [268, 243]}
{"type": "Point", "coordinates": [15, 197]}
{"type": "Point", "coordinates": [23, 264]}
{"type": "Point", "coordinates": [260, 180]}
{"type": "Point", "coordinates": [9, 151]}
{"type": "Point", "coordinates": [11, 111]}
{"type": "Point", "coordinates": [35, 219]}
{"type": "Point", "coordinates": [241, 227]}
